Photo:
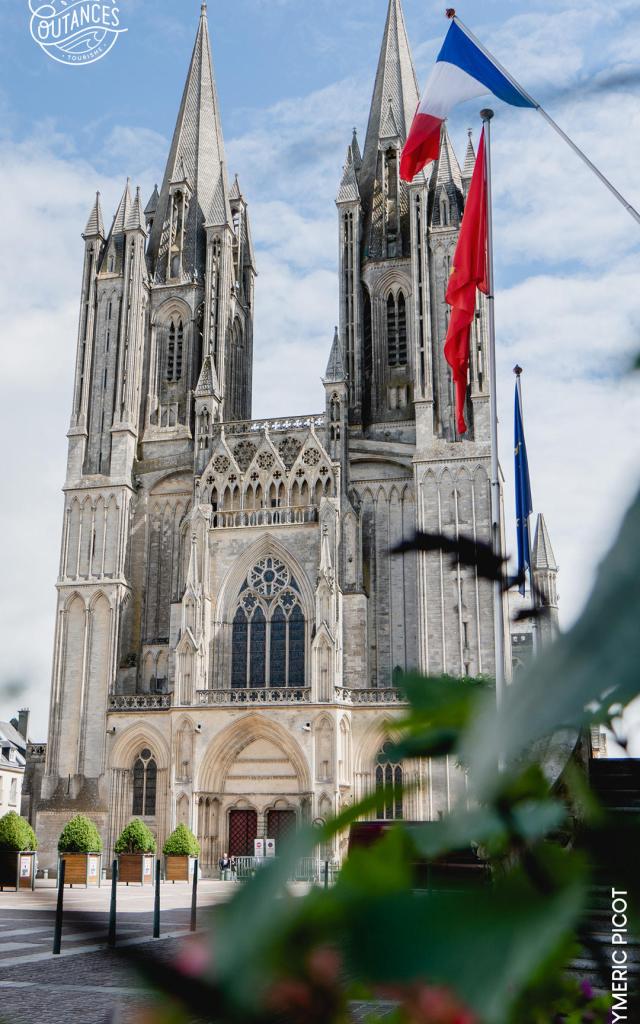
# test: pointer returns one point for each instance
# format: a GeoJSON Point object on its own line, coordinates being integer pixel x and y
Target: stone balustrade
{"type": "Point", "coordinates": [373, 695]}
{"type": "Point", "coordinates": [278, 425]}
{"type": "Point", "coordinates": [285, 516]}
{"type": "Point", "coordinates": [261, 695]}
{"type": "Point", "coordinates": [140, 701]}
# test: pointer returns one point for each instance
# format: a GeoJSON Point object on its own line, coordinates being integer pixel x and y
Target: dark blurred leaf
{"type": "Point", "coordinates": [465, 550]}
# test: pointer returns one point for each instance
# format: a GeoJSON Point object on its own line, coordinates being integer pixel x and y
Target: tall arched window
{"type": "Point", "coordinates": [268, 630]}
{"type": "Point", "coordinates": [397, 330]}
{"type": "Point", "coordinates": [175, 348]}
{"type": "Point", "coordinates": [388, 786]}
{"type": "Point", "coordinates": [391, 205]}
{"type": "Point", "coordinates": [444, 210]}
{"type": "Point", "coordinates": [145, 774]}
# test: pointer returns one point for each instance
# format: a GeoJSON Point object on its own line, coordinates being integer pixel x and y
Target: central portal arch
{"type": "Point", "coordinates": [259, 779]}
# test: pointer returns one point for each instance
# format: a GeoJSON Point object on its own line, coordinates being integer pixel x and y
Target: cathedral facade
{"type": "Point", "coordinates": [230, 620]}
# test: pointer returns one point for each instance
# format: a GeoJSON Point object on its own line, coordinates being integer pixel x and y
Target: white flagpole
{"type": "Point", "coordinates": [556, 127]}
{"type": "Point", "coordinates": [496, 525]}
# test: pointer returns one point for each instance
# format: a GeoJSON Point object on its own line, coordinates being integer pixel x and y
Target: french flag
{"type": "Point", "coordinates": [462, 71]}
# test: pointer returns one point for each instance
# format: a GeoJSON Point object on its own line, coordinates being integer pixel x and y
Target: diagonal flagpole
{"type": "Point", "coordinates": [496, 525]}
{"type": "Point", "coordinates": [451, 14]}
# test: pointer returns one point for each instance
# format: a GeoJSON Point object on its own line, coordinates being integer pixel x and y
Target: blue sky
{"type": "Point", "coordinates": [294, 77]}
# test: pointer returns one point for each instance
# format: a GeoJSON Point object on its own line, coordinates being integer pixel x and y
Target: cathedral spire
{"type": "Point", "coordinates": [195, 166]}
{"type": "Point", "coordinates": [469, 159]}
{"type": "Point", "coordinates": [542, 556]}
{"type": "Point", "coordinates": [395, 93]}
{"type": "Point", "coordinates": [95, 224]}
{"type": "Point", "coordinates": [335, 367]}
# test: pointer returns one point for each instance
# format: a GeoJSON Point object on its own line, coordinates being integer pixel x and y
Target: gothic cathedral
{"type": "Point", "coordinates": [230, 621]}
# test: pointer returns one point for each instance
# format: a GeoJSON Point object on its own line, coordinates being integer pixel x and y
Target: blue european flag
{"type": "Point", "coordinates": [524, 504]}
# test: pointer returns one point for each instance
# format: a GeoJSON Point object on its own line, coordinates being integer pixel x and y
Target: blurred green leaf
{"type": "Point", "coordinates": [484, 825]}
{"type": "Point", "coordinates": [579, 677]}
{"type": "Point", "coordinates": [483, 948]}
{"type": "Point", "coordinates": [441, 707]}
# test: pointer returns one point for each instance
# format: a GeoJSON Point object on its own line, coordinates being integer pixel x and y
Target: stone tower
{"type": "Point", "coordinates": [230, 619]}
{"type": "Point", "coordinates": [164, 349]}
{"type": "Point", "coordinates": [397, 242]}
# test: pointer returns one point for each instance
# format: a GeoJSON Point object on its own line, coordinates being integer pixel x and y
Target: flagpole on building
{"type": "Point", "coordinates": [451, 14]}
{"type": "Point", "coordinates": [496, 525]}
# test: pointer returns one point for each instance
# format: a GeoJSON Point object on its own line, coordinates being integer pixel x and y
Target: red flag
{"type": "Point", "coordinates": [469, 271]}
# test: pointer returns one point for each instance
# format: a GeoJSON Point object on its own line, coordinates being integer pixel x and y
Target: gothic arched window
{"type": "Point", "coordinates": [388, 786]}
{"type": "Point", "coordinates": [268, 630]}
{"type": "Point", "coordinates": [391, 205]}
{"type": "Point", "coordinates": [145, 774]}
{"type": "Point", "coordinates": [397, 330]}
{"type": "Point", "coordinates": [444, 211]}
{"type": "Point", "coordinates": [175, 348]}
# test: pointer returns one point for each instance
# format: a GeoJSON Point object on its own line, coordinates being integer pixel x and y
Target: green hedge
{"type": "Point", "coordinates": [135, 838]}
{"type": "Point", "coordinates": [16, 833]}
{"type": "Point", "coordinates": [182, 843]}
{"type": "Point", "coordinates": [80, 835]}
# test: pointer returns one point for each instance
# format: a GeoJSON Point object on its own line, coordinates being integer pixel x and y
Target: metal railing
{"type": "Point", "coordinates": [262, 695]}
{"type": "Point", "coordinates": [289, 515]}
{"type": "Point", "coordinates": [308, 869]}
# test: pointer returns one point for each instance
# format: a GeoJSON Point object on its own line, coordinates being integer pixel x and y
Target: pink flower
{"type": "Point", "coordinates": [194, 958]}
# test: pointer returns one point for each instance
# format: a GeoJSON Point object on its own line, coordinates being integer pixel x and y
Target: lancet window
{"type": "Point", "coordinates": [175, 350]}
{"type": "Point", "coordinates": [268, 632]}
{"type": "Point", "coordinates": [145, 775]}
{"type": "Point", "coordinates": [388, 785]}
{"type": "Point", "coordinates": [397, 330]}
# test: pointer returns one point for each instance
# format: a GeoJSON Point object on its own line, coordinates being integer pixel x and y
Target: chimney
{"type": "Point", "coordinates": [23, 723]}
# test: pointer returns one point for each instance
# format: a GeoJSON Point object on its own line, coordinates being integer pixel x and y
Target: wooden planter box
{"type": "Point", "coordinates": [17, 869]}
{"type": "Point", "coordinates": [81, 868]}
{"type": "Point", "coordinates": [178, 869]}
{"type": "Point", "coordinates": [136, 867]}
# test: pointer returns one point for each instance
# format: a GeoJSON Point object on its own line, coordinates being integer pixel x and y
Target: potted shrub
{"type": "Point", "coordinates": [180, 852]}
{"type": "Point", "coordinates": [18, 844]}
{"type": "Point", "coordinates": [136, 847]}
{"type": "Point", "coordinates": [80, 847]}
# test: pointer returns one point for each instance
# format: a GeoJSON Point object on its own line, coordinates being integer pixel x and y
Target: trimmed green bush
{"type": "Point", "coordinates": [16, 833]}
{"type": "Point", "coordinates": [80, 835]}
{"type": "Point", "coordinates": [181, 843]}
{"type": "Point", "coordinates": [135, 838]}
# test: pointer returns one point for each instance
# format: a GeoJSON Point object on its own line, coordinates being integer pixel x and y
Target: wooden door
{"type": "Point", "coordinates": [243, 829]}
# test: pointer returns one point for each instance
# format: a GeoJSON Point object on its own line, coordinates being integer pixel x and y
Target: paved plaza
{"type": "Point", "coordinates": [87, 983]}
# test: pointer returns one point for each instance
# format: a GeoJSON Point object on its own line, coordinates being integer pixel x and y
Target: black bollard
{"type": "Point", "coordinates": [326, 874]}
{"type": "Point", "coordinates": [57, 932]}
{"type": "Point", "coordinates": [156, 904]}
{"type": "Point", "coordinates": [194, 897]}
{"type": "Point", "coordinates": [111, 940]}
